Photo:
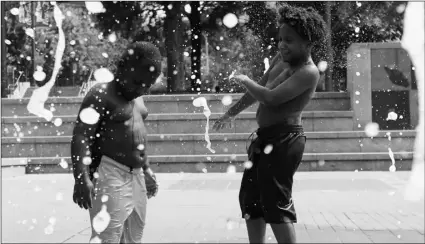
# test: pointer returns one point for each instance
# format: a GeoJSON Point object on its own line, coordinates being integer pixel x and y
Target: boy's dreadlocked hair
{"type": "Point", "coordinates": [141, 56]}
{"type": "Point", "coordinates": [307, 22]}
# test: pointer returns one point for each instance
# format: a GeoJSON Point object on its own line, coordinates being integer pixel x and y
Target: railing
{"type": "Point", "coordinates": [11, 88]}
{"type": "Point", "coordinates": [86, 86]}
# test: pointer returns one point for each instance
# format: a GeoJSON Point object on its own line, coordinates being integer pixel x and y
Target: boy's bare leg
{"type": "Point", "coordinates": [256, 230]}
{"type": "Point", "coordinates": [284, 233]}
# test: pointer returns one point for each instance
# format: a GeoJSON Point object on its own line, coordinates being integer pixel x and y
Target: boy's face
{"type": "Point", "coordinates": [292, 46]}
{"type": "Point", "coordinates": [138, 81]}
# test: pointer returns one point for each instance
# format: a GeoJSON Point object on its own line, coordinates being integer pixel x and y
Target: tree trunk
{"type": "Point", "coordinates": [174, 47]}
{"type": "Point", "coordinates": [195, 55]}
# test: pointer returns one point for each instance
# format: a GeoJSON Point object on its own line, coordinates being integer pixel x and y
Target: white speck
{"type": "Point", "coordinates": [204, 170]}
{"type": "Point", "coordinates": [57, 122]}
{"type": "Point", "coordinates": [48, 230]}
{"type": "Point", "coordinates": [95, 7]}
{"type": "Point", "coordinates": [358, 55]}
{"type": "Point", "coordinates": [247, 164]}
{"type": "Point", "coordinates": [400, 8]}
{"type": "Point", "coordinates": [357, 29]}
{"type": "Point", "coordinates": [87, 160]}
{"type": "Point", "coordinates": [357, 101]}
{"type": "Point", "coordinates": [268, 149]}
{"type": "Point", "coordinates": [52, 220]}
{"type": "Point", "coordinates": [103, 75]}
{"type": "Point", "coordinates": [230, 20]}
{"type": "Point", "coordinates": [321, 162]}
{"type": "Point", "coordinates": [89, 116]}
{"type": "Point", "coordinates": [7, 42]}
{"type": "Point", "coordinates": [322, 66]}
{"type": "Point", "coordinates": [398, 236]}
{"type": "Point", "coordinates": [39, 75]}
{"type": "Point", "coordinates": [101, 220]}
{"type": "Point", "coordinates": [392, 116]}
{"type": "Point", "coordinates": [96, 175]}
{"type": "Point", "coordinates": [356, 171]}
{"type": "Point", "coordinates": [37, 189]}
{"type": "Point", "coordinates": [14, 11]}
{"type": "Point", "coordinates": [226, 100]}
{"type": "Point", "coordinates": [63, 163]}
{"type": "Point", "coordinates": [104, 198]}
{"type": "Point", "coordinates": [72, 42]}
{"type": "Point", "coordinates": [105, 55]}
{"type": "Point", "coordinates": [140, 147]}
{"type": "Point", "coordinates": [112, 37]}
{"type": "Point", "coordinates": [209, 158]}
{"type": "Point", "coordinates": [29, 32]}
{"type": "Point", "coordinates": [357, 93]}
{"type": "Point", "coordinates": [372, 129]}
{"type": "Point", "coordinates": [358, 73]}
{"type": "Point", "coordinates": [392, 168]}
{"type": "Point", "coordinates": [186, 54]}
{"type": "Point", "coordinates": [231, 169]}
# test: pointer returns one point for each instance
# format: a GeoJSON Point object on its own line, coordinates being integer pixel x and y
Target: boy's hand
{"type": "Point", "coordinates": [241, 78]}
{"type": "Point", "coordinates": [223, 122]}
{"type": "Point", "coordinates": [151, 183]}
{"type": "Point", "coordinates": [83, 193]}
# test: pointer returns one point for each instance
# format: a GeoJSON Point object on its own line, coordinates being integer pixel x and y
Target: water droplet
{"type": "Point", "coordinates": [72, 42]}
{"type": "Point", "coordinates": [247, 164]}
{"type": "Point", "coordinates": [29, 32]}
{"type": "Point", "coordinates": [105, 55]}
{"type": "Point", "coordinates": [57, 122]}
{"type": "Point", "coordinates": [321, 162]}
{"type": "Point", "coordinates": [52, 220]}
{"type": "Point", "coordinates": [87, 160]}
{"type": "Point", "coordinates": [230, 20]}
{"type": "Point", "coordinates": [372, 129]}
{"type": "Point", "coordinates": [357, 93]}
{"type": "Point", "coordinates": [231, 169]}
{"type": "Point", "coordinates": [392, 116]}
{"type": "Point", "coordinates": [48, 230]}
{"type": "Point", "coordinates": [322, 66]}
{"type": "Point", "coordinates": [104, 198]}
{"type": "Point", "coordinates": [268, 149]}
{"type": "Point", "coordinates": [14, 11]}
{"type": "Point", "coordinates": [101, 220]}
{"type": "Point", "coordinates": [358, 73]}
{"type": "Point", "coordinates": [63, 163]}
{"type": "Point", "coordinates": [96, 175]}
{"type": "Point", "coordinates": [89, 116]}
{"type": "Point", "coordinates": [140, 147]}
{"type": "Point", "coordinates": [112, 37]}
{"type": "Point", "coordinates": [7, 42]}
{"type": "Point", "coordinates": [226, 100]}
{"type": "Point", "coordinates": [95, 7]}
{"type": "Point", "coordinates": [186, 54]}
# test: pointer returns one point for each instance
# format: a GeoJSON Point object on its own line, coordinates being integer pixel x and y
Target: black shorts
{"type": "Point", "coordinates": [266, 188]}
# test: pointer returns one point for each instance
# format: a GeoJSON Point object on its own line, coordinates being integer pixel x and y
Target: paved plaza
{"type": "Point", "coordinates": [347, 207]}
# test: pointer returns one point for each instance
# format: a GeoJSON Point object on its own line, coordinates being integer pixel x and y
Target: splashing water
{"type": "Point", "coordinates": [202, 102]}
{"type": "Point", "coordinates": [230, 20]}
{"type": "Point", "coordinates": [39, 75]}
{"type": "Point", "coordinates": [392, 167]}
{"type": "Point", "coordinates": [101, 220]}
{"type": "Point", "coordinates": [232, 74]}
{"type": "Point", "coordinates": [40, 95]}
{"type": "Point", "coordinates": [413, 41]}
{"type": "Point", "coordinates": [63, 163]}
{"type": "Point", "coordinates": [266, 65]}
{"type": "Point", "coordinates": [371, 129]}
{"type": "Point", "coordinates": [57, 122]}
{"type": "Point", "coordinates": [104, 198]}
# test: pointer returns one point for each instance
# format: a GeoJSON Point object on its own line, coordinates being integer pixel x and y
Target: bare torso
{"type": "Point", "coordinates": [123, 134]}
{"type": "Point", "coordinates": [285, 113]}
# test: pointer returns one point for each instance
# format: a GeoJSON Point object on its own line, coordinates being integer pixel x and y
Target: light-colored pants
{"type": "Point", "coordinates": [125, 193]}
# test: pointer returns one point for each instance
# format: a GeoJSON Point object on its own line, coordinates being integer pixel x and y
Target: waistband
{"type": "Point", "coordinates": [277, 129]}
{"type": "Point", "coordinates": [110, 161]}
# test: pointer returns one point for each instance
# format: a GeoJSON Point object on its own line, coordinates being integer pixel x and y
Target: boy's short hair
{"type": "Point", "coordinates": [141, 57]}
{"type": "Point", "coordinates": [307, 22]}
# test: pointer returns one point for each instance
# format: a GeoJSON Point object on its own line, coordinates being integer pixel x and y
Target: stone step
{"type": "Point", "coordinates": [223, 143]}
{"type": "Point", "coordinates": [323, 101]}
{"type": "Point", "coordinates": [372, 161]}
{"type": "Point", "coordinates": [59, 91]}
{"type": "Point", "coordinates": [177, 123]}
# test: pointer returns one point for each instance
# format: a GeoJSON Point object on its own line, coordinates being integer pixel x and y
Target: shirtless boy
{"type": "Point", "coordinates": [109, 157]}
{"type": "Point", "coordinates": [287, 87]}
